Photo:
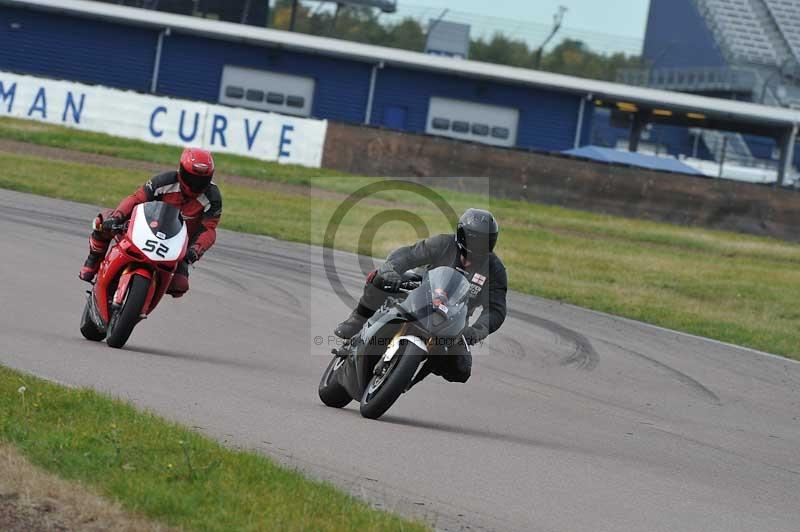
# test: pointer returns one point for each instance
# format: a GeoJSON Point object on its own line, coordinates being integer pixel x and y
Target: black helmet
{"type": "Point", "coordinates": [477, 233]}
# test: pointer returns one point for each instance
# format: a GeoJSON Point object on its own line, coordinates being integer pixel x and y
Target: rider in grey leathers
{"type": "Point", "coordinates": [470, 251]}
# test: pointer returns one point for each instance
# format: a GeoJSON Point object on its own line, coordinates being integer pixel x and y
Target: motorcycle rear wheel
{"type": "Point", "coordinates": [125, 319]}
{"type": "Point", "coordinates": [88, 329]}
{"type": "Point", "coordinates": [330, 391]}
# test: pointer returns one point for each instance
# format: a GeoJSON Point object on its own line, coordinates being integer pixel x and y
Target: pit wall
{"type": "Point", "coordinates": [567, 182]}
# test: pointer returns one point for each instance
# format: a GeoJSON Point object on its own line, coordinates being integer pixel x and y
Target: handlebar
{"type": "Point", "coordinates": [404, 288]}
{"type": "Point", "coordinates": [110, 225]}
{"type": "Point", "coordinates": [407, 286]}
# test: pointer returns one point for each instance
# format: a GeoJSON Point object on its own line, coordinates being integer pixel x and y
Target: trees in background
{"type": "Point", "coordinates": [351, 23]}
{"type": "Point", "coordinates": [365, 25]}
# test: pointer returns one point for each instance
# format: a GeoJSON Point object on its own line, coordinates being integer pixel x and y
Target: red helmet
{"type": "Point", "coordinates": [195, 171]}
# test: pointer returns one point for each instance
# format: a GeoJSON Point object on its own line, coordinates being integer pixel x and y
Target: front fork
{"type": "Point", "coordinates": [124, 282]}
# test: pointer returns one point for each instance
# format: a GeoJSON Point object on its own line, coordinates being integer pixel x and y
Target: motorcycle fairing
{"type": "Point", "coordinates": [95, 314]}
{"type": "Point", "coordinates": [357, 372]}
{"type": "Point", "coordinates": [440, 304]}
{"type": "Point", "coordinates": [156, 259]}
{"type": "Point", "coordinates": [116, 260]}
{"type": "Point", "coordinates": [154, 232]}
{"type": "Point", "coordinates": [395, 344]}
{"type": "Point", "coordinates": [125, 279]}
{"type": "Point", "coordinates": [396, 321]}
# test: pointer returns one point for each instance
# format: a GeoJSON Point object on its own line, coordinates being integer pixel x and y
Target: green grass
{"type": "Point", "coordinates": [730, 287]}
{"type": "Point", "coordinates": [99, 143]}
{"type": "Point", "coordinates": [166, 472]}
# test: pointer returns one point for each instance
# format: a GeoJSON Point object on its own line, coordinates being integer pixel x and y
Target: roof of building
{"type": "Point", "coordinates": [610, 155]}
{"type": "Point", "coordinates": [728, 110]}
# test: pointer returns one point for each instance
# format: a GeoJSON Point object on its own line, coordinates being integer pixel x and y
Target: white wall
{"type": "Point", "coordinates": [267, 136]}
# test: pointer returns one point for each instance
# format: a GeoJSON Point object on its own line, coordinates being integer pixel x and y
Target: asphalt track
{"type": "Point", "coordinates": [572, 421]}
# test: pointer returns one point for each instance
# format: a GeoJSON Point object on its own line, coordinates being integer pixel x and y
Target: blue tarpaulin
{"type": "Point", "coordinates": [609, 155]}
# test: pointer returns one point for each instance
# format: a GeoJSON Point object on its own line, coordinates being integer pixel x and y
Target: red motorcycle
{"type": "Point", "coordinates": [135, 273]}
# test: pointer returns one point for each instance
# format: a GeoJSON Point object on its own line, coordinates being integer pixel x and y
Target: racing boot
{"type": "Point", "coordinates": [90, 267]}
{"type": "Point", "coordinates": [98, 245]}
{"type": "Point", "coordinates": [351, 326]}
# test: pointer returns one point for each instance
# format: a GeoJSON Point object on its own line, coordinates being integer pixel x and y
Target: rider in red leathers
{"type": "Point", "coordinates": [190, 188]}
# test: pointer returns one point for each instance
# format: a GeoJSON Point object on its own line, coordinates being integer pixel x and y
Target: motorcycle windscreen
{"type": "Point", "coordinates": [158, 231]}
{"type": "Point", "coordinates": [163, 218]}
{"type": "Point", "coordinates": [439, 305]}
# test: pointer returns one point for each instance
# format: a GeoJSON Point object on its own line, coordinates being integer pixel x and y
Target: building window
{"type": "Point", "coordinates": [295, 101]}
{"type": "Point", "coordinates": [500, 132]}
{"type": "Point", "coordinates": [275, 98]}
{"type": "Point", "coordinates": [254, 95]}
{"type": "Point", "coordinates": [234, 92]}
{"type": "Point", "coordinates": [440, 123]}
{"type": "Point", "coordinates": [481, 130]}
{"type": "Point", "coordinates": [459, 126]}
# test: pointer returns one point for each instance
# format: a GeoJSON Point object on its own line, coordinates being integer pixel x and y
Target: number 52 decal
{"type": "Point", "coordinates": [154, 246]}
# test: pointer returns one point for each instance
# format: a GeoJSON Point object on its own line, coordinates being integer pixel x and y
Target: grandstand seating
{"type": "Point", "coordinates": [786, 14]}
{"type": "Point", "coordinates": [737, 49]}
{"type": "Point", "coordinates": [763, 32]}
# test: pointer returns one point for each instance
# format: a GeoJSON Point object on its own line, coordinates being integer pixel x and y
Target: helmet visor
{"type": "Point", "coordinates": [479, 243]}
{"type": "Point", "coordinates": [196, 183]}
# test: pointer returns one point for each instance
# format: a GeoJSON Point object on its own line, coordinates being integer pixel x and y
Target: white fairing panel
{"type": "Point", "coordinates": [155, 248]}
{"type": "Point", "coordinates": [394, 346]}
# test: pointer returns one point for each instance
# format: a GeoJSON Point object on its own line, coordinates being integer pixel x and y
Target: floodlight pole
{"type": "Point", "coordinates": [336, 15]}
{"type": "Point", "coordinates": [724, 153]}
{"type": "Point", "coordinates": [438, 19]}
{"type": "Point", "coordinates": [558, 18]}
{"type": "Point", "coordinates": [245, 12]}
{"type": "Point", "coordinates": [787, 141]}
{"type": "Point", "coordinates": [294, 15]}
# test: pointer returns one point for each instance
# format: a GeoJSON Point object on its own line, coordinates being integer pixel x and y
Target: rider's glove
{"type": "Point", "coordinates": [191, 256]}
{"type": "Point", "coordinates": [105, 225]}
{"type": "Point", "coordinates": [108, 225]}
{"type": "Point", "coordinates": [387, 279]}
{"type": "Point", "coordinates": [97, 223]}
{"type": "Point", "coordinates": [473, 335]}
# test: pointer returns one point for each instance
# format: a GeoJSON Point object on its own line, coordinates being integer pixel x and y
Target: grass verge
{"type": "Point", "coordinates": [33, 499]}
{"type": "Point", "coordinates": [731, 287]}
{"type": "Point", "coordinates": [165, 472]}
{"type": "Point", "coordinates": [102, 144]}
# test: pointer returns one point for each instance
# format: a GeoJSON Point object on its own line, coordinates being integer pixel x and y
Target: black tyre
{"type": "Point", "coordinates": [88, 329]}
{"type": "Point", "coordinates": [125, 319]}
{"type": "Point", "coordinates": [330, 391]}
{"type": "Point", "coordinates": [384, 389]}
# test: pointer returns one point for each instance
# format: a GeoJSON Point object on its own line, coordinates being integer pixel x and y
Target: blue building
{"type": "Point", "coordinates": [303, 75]}
{"type": "Point", "coordinates": [744, 50]}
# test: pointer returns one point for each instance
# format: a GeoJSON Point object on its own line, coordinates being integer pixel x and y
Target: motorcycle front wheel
{"type": "Point", "coordinates": [386, 387]}
{"type": "Point", "coordinates": [125, 319]}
